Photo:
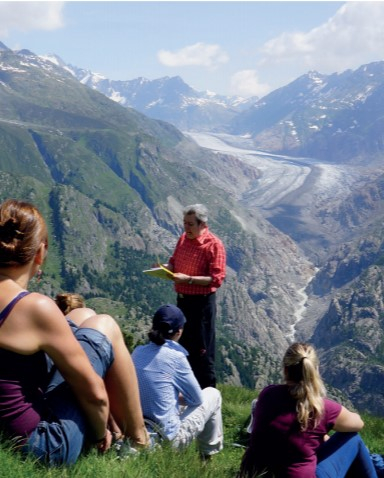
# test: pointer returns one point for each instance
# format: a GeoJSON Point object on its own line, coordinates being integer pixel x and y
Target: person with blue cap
{"type": "Point", "coordinates": [170, 394]}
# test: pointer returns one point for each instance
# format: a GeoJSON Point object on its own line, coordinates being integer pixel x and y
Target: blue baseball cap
{"type": "Point", "coordinates": [168, 315]}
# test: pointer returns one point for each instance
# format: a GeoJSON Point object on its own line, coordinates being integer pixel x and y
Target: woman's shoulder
{"type": "Point", "coordinates": [42, 314]}
{"type": "Point", "coordinates": [29, 304]}
{"type": "Point", "coordinates": [274, 390]}
{"type": "Point", "coordinates": [40, 304]}
{"type": "Point", "coordinates": [331, 406]}
{"type": "Point", "coordinates": [175, 348]}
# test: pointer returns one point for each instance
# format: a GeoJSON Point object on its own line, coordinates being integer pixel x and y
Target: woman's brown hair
{"type": "Point", "coordinates": [68, 301]}
{"type": "Point", "coordinates": [22, 230]}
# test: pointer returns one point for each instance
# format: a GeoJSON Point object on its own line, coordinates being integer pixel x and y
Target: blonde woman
{"type": "Point", "coordinates": [93, 374]}
{"type": "Point", "coordinates": [289, 436]}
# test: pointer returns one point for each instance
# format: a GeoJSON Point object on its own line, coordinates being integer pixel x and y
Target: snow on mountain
{"type": "Point", "coordinates": [323, 116]}
{"type": "Point", "coordinates": [333, 117]}
{"type": "Point", "coordinates": [169, 98]}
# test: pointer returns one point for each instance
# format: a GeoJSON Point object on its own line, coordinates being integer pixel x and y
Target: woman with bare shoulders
{"type": "Point", "coordinates": [52, 412]}
{"type": "Point", "coordinates": [290, 425]}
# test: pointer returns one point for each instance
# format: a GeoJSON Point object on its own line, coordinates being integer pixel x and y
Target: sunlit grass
{"type": "Point", "coordinates": [166, 462]}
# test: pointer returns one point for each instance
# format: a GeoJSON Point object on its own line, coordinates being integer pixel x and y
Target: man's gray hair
{"type": "Point", "coordinates": [199, 210]}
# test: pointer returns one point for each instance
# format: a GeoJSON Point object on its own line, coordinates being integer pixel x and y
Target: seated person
{"type": "Point", "coordinates": [169, 392]}
{"type": "Point", "coordinates": [289, 436]}
{"type": "Point", "coordinates": [51, 411]}
{"type": "Point", "coordinates": [73, 307]}
{"type": "Point", "coordinates": [67, 301]}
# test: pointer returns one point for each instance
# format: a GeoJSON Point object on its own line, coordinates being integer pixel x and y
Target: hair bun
{"type": "Point", "coordinates": [9, 231]}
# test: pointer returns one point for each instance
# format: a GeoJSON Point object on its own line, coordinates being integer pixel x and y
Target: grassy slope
{"type": "Point", "coordinates": [170, 463]}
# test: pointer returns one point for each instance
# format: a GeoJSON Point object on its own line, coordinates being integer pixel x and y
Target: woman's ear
{"type": "Point", "coordinates": [40, 255]}
{"type": "Point", "coordinates": [177, 335]}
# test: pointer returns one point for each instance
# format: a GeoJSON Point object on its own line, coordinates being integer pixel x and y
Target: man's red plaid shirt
{"type": "Point", "coordinates": [203, 256]}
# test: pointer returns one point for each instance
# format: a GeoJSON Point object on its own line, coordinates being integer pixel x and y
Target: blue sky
{"type": "Point", "coordinates": [245, 48]}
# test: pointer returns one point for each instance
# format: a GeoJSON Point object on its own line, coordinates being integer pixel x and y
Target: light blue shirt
{"type": "Point", "coordinates": [163, 372]}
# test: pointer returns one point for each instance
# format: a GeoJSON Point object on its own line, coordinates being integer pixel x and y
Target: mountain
{"type": "Point", "coordinates": [334, 213]}
{"type": "Point", "coordinates": [304, 250]}
{"type": "Point", "coordinates": [112, 184]}
{"type": "Point", "coordinates": [350, 332]}
{"type": "Point", "coordinates": [3, 47]}
{"type": "Point", "coordinates": [336, 118]}
{"type": "Point", "coordinates": [167, 99]}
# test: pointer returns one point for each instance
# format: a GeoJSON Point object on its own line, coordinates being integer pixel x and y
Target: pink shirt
{"type": "Point", "coordinates": [276, 439]}
{"type": "Point", "coordinates": [203, 256]}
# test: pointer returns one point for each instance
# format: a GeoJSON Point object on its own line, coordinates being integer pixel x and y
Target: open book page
{"type": "Point", "coordinates": [160, 272]}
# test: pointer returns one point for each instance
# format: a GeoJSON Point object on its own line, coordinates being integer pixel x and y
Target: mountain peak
{"type": "Point", "coordinates": [3, 47]}
{"type": "Point", "coordinates": [54, 59]}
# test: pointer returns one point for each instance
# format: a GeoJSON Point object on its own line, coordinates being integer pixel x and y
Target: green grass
{"type": "Point", "coordinates": [166, 462]}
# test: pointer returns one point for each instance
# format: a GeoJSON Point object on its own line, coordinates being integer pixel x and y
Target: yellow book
{"type": "Point", "coordinates": [161, 272]}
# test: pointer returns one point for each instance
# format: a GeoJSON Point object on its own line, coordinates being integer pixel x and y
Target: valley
{"type": "Point", "coordinates": [290, 191]}
{"type": "Point", "coordinates": [292, 194]}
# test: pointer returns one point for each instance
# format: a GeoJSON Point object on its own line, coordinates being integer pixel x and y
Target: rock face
{"type": "Point", "coordinates": [349, 332]}
{"type": "Point", "coordinates": [350, 339]}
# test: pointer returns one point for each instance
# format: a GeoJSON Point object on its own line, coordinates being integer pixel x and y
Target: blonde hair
{"type": "Point", "coordinates": [69, 301]}
{"type": "Point", "coordinates": [301, 369]}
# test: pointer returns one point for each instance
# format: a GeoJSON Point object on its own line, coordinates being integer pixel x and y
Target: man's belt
{"type": "Point", "coordinates": [190, 296]}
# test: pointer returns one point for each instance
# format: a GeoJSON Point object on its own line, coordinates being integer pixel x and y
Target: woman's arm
{"type": "Point", "coordinates": [187, 385]}
{"type": "Point", "coordinates": [55, 337]}
{"type": "Point", "coordinates": [348, 421]}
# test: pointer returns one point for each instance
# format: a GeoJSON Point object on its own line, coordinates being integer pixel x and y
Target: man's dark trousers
{"type": "Point", "coordinates": [199, 335]}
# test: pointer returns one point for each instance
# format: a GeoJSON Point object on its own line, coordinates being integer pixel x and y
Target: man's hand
{"type": "Point", "coordinates": [181, 278]}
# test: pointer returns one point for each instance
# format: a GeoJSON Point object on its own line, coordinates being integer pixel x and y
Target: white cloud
{"type": "Point", "coordinates": [26, 16]}
{"type": "Point", "coordinates": [352, 37]}
{"type": "Point", "coordinates": [246, 83]}
{"type": "Point", "coordinates": [199, 54]}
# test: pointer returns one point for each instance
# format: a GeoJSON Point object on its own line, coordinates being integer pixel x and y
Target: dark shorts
{"type": "Point", "coordinates": [60, 438]}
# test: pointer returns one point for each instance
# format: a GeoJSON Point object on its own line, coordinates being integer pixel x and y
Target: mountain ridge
{"type": "Point", "coordinates": [333, 117]}
{"type": "Point", "coordinates": [168, 98]}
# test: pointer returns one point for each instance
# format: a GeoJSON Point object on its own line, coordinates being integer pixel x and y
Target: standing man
{"type": "Point", "coordinates": [198, 263]}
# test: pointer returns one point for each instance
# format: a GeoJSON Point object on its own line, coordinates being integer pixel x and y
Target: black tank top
{"type": "Point", "coordinates": [22, 381]}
